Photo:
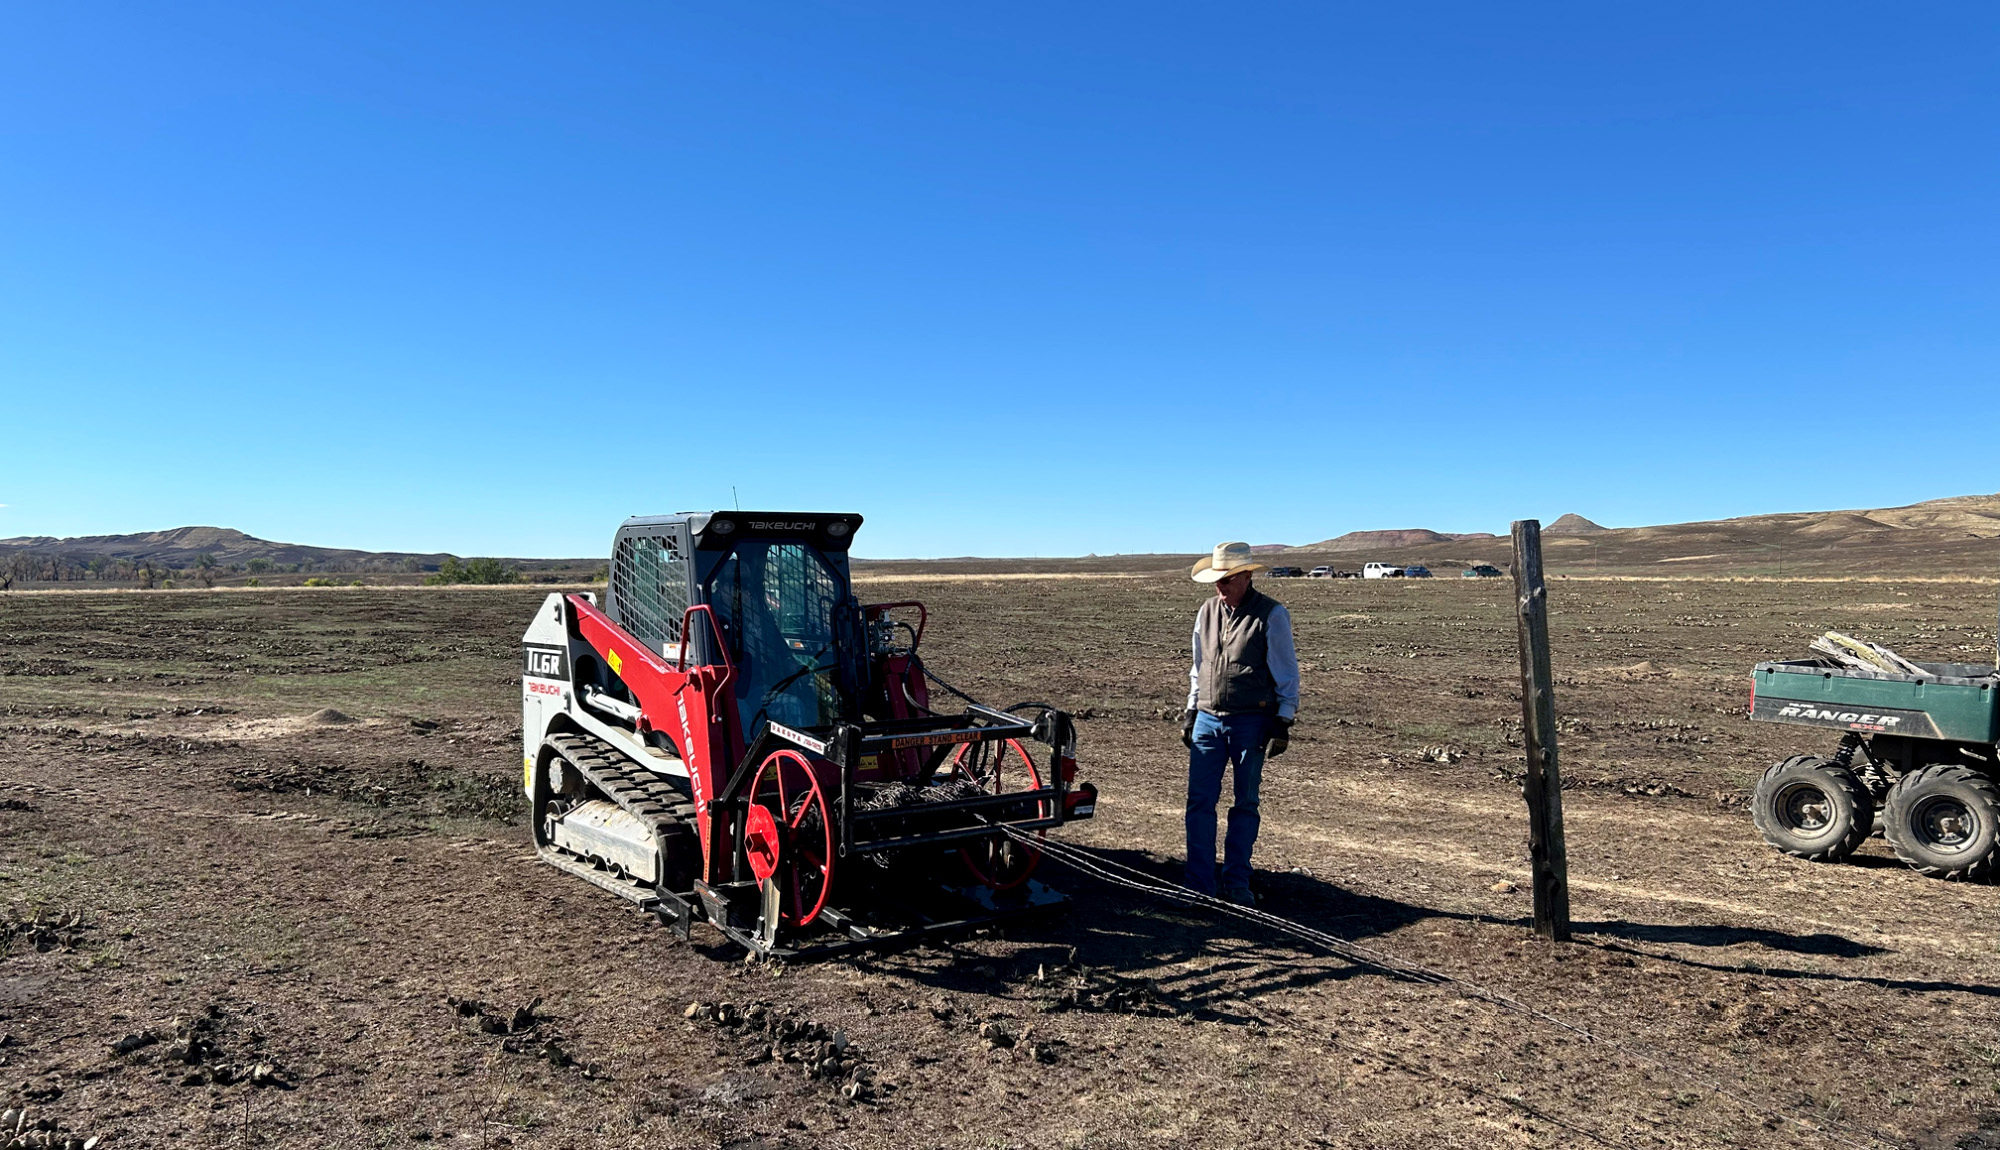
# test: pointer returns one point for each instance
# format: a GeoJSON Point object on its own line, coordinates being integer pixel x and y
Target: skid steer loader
{"type": "Point", "coordinates": [730, 737]}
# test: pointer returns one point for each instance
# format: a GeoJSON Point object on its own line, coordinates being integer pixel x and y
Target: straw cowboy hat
{"type": "Point", "coordinates": [1229, 559]}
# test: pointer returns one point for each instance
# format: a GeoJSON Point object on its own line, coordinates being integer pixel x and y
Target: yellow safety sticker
{"type": "Point", "coordinates": [528, 774]}
{"type": "Point", "coordinates": [617, 664]}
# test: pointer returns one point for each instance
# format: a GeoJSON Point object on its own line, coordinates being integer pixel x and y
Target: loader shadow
{"type": "Point", "coordinates": [1141, 947]}
{"type": "Point", "coordinates": [1614, 934]}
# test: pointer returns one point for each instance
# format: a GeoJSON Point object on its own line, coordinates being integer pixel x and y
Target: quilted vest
{"type": "Point", "coordinates": [1235, 656]}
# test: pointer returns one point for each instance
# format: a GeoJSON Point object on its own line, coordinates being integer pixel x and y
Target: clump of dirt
{"type": "Point", "coordinates": [22, 1129]}
{"type": "Point", "coordinates": [521, 1030]}
{"type": "Point", "coordinates": [329, 717]}
{"type": "Point", "coordinates": [180, 712]}
{"type": "Point", "coordinates": [1634, 788]}
{"type": "Point", "coordinates": [1638, 788]}
{"type": "Point", "coordinates": [59, 730]}
{"type": "Point", "coordinates": [781, 1037]}
{"type": "Point", "coordinates": [1072, 986]}
{"type": "Point", "coordinates": [197, 1044]}
{"type": "Point", "coordinates": [43, 668]}
{"type": "Point", "coordinates": [53, 712]}
{"type": "Point", "coordinates": [42, 932]}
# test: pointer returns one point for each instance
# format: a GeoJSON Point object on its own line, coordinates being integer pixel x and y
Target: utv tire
{"type": "Point", "coordinates": [1944, 821]}
{"type": "Point", "coordinates": [1812, 809]}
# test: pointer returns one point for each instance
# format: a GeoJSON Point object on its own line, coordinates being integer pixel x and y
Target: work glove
{"type": "Point", "coordinates": [1280, 738]}
{"type": "Point", "coordinates": [1187, 728]}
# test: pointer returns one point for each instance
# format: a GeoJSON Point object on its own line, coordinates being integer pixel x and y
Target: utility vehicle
{"type": "Point", "coordinates": [1916, 757]}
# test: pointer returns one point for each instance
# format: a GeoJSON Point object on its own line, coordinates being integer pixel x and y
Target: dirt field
{"type": "Point", "coordinates": [306, 930]}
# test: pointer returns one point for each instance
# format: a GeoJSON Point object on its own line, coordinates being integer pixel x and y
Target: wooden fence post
{"type": "Point", "coordinates": [1542, 787]}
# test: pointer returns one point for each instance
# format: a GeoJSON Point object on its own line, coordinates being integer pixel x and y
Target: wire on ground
{"type": "Point", "coordinates": [1088, 862]}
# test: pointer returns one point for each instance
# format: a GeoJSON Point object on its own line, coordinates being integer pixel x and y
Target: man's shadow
{"type": "Point", "coordinates": [1616, 934]}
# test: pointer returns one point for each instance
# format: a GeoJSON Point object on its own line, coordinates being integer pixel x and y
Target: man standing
{"type": "Point", "coordinates": [1243, 694]}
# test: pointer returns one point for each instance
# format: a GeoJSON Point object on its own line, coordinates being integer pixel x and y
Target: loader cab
{"type": "Point", "coordinates": [779, 588]}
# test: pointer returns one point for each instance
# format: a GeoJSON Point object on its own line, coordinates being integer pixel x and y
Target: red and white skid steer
{"type": "Point", "coordinates": [731, 736]}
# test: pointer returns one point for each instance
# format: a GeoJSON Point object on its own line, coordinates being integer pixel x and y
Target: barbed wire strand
{"type": "Point", "coordinates": [1834, 1130]}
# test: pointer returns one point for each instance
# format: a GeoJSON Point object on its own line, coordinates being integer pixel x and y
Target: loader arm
{"type": "Point", "coordinates": [692, 705]}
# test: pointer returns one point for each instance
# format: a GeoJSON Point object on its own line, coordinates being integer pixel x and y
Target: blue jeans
{"type": "Point", "coordinates": [1220, 740]}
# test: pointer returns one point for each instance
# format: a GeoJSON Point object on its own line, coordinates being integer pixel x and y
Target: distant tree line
{"type": "Point", "coordinates": [472, 571]}
{"type": "Point", "coordinates": [206, 570]}
{"type": "Point", "coordinates": [35, 567]}
{"type": "Point", "coordinates": [44, 567]}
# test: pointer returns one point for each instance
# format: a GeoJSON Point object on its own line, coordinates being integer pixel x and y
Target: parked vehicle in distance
{"type": "Point", "coordinates": [1480, 571]}
{"type": "Point", "coordinates": [1320, 572]}
{"type": "Point", "coordinates": [1287, 572]}
{"type": "Point", "coordinates": [1416, 571]}
{"type": "Point", "coordinates": [1381, 571]}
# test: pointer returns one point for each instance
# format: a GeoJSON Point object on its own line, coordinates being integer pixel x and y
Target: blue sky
{"type": "Point", "coordinates": [1007, 279]}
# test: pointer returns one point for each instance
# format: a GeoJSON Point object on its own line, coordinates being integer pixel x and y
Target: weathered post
{"type": "Point", "coordinates": [1543, 785]}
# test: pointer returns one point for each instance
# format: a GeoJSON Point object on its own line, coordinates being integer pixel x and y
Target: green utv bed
{"type": "Point", "coordinates": [1916, 761]}
{"type": "Point", "coordinates": [1955, 701]}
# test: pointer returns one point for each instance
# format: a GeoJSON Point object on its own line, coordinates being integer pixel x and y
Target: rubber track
{"type": "Point", "coordinates": [667, 813]}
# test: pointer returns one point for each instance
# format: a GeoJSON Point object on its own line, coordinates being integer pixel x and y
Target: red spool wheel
{"type": "Point", "coordinates": [763, 844]}
{"type": "Point", "coordinates": [789, 835]}
{"type": "Point", "coordinates": [1001, 862]}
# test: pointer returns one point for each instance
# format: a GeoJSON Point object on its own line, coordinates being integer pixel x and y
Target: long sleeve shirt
{"type": "Point", "coordinates": [1282, 657]}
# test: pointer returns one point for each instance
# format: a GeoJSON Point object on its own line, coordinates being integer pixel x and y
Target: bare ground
{"type": "Point", "coordinates": [306, 927]}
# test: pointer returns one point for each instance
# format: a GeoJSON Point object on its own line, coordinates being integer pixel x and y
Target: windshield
{"type": "Point", "coordinates": [778, 604]}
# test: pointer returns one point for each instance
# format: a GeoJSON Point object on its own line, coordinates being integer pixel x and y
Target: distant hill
{"type": "Point", "coordinates": [1956, 536]}
{"type": "Point", "coordinates": [1404, 537]}
{"type": "Point", "coordinates": [1573, 524]}
{"type": "Point", "coordinates": [181, 546]}
{"type": "Point", "coordinates": [46, 558]}
{"type": "Point", "coordinates": [1959, 535]}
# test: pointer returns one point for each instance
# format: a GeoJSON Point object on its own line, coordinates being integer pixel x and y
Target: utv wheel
{"type": "Point", "coordinates": [1944, 821]}
{"type": "Point", "coordinates": [1812, 809]}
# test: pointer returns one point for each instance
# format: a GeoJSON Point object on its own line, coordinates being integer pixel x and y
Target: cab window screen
{"type": "Point", "coordinates": [649, 591]}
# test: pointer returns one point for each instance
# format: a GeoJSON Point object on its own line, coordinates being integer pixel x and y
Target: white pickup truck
{"type": "Point", "coordinates": [1381, 571]}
